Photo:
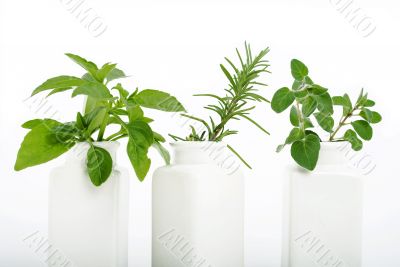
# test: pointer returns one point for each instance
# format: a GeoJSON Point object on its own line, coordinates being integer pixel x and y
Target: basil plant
{"type": "Point", "coordinates": [106, 105]}
{"type": "Point", "coordinates": [312, 106]}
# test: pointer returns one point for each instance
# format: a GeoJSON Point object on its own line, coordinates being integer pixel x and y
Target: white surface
{"type": "Point", "coordinates": [177, 46]}
{"type": "Point", "coordinates": [89, 225]}
{"type": "Point", "coordinates": [323, 215]}
{"type": "Point", "coordinates": [198, 210]}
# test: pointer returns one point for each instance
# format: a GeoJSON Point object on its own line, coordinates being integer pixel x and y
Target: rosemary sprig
{"type": "Point", "coordinates": [236, 103]}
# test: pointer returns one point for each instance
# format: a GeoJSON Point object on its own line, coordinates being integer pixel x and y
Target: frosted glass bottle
{"type": "Point", "coordinates": [198, 205]}
{"type": "Point", "coordinates": [88, 224]}
{"type": "Point", "coordinates": [323, 213]}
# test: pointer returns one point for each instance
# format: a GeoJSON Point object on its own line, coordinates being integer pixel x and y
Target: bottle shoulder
{"type": "Point", "coordinates": [324, 171]}
{"type": "Point", "coordinates": [195, 170]}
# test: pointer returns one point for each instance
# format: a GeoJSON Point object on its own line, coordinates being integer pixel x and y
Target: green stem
{"type": "Point", "coordinates": [300, 115]}
{"type": "Point", "coordinates": [121, 122]}
{"type": "Point", "coordinates": [176, 138]}
{"type": "Point", "coordinates": [197, 119]}
{"type": "Point", "coordinates": [224, 121]}
{"type": "Point", "coordinates": [342, 123]}
{"type": "Point", "coordinates": [103, 128]}
{"type": "Point", "coordinates": [113, 135]}
{"type": "Point", "coordinates": [238, 155]}
{"type": "Point", "coordinates": [104, 123]}
{"type": "Point", "coordinates": [119, 137]}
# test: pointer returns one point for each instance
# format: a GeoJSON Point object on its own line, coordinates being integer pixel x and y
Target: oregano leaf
{"type": "Point", "coordinates": [282, 99]}
{"type": "Point", "coordinates": [306, 151]}
{"type": "Point", "coordinates": [351, 136]}
{"type": "Point", "coordinates": [363, 129]}
{"type": "Point", "coordinates": [294, 117]}
{"type": "Point", "coordinates": [299, 70]}
{"type": "Point", "coordinates": [308, 106]}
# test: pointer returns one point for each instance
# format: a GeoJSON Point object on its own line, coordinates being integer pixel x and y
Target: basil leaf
{"type": "Point", "coordinates": [135, 112]}
{"type": "Point", "coordinates": [282, 99]}
{"type": "Point", "coordinates": [122, 92]}
{"type": "Point", "coordinates": [65, 132]}
{"type": "Point", "coordinates": [158, 100]}
{"type": "Point", "coordinates": [88, 77]}
{"type": "Point", "coordinates": [306, 151]}
{"type": "Point", "coordinates": [351, 136]}
{"type": "Point", "coordinates": [87, 65]}
{"type": "Point", "coordinates": [33, 123]}
{"type": "Point", "coordinates": [80, 121]}
{"type": "Point", "coordinates": [140, 139]}
{"type": "Point", "coordinates": [158, 137]}
{"type": "Point", "coordinates": [363, 129]}
{"type": "Point", "coordinates": [60, 82]}
{"type": "Point", "coordinates": [58, 90]}
{"type": "Point", "coordinates": [163, 152]}
{"type": "Point", "coordinates": [104, 71]}
{"type": "Point", "coordinates": [115, 74]}
{"type": "Point", "coordinates": [94, 119]}
{"type": "Point", "coordinates": [93, 89]}
{"type": "Point", "coordinates": [299, 70]}
{"type": "Point", "coordinates": [40, 146]}
{"type": "Point", "coordinates": [99, 165]}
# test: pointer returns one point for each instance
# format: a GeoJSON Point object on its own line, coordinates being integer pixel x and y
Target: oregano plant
{"type": "Point", "coordinates": [236, 103]}
{"type": "Point", "coordinates": [108, 106]}
{"type": "Point", "coordinates": [310, 105]}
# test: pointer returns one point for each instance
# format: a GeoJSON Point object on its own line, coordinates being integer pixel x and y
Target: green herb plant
{"type": "Point", "coordinates": [312, 103]}
{"type": "Point", "coordinates": [237, 102]}
{"type": "Point", "coordinates": [106, 105]}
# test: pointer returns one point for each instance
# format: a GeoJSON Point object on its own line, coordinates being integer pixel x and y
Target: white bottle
{"type": "Point", "coordinates": [89, 224]}
{"type": "Point", "coordinates": [323, 213]}
{"type": "Point", "coordinates": [198, 205]}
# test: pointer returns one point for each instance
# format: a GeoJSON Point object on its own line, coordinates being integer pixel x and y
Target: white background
{"type": "Point", "coordinates": [177, 46]}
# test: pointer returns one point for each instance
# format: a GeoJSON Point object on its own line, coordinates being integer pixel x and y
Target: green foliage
{"type": "Point", "coordinates": [99, 164]}
{"type": "Point", "coordinates": [236, 104]}
{"type": "Point", "coordinates": [158, 100]}
{"type": "Point", "coordinates": [282, 99]}
{"type": "Point", "coordinates": [41, 144]}
{"type": "Point", "coordinates": [309, 100]}
{"type": "Point", "coordinates": [306, 151]}
{"type": "Point", "coordinates": [48, 139]}
{"type": "Point", "coordinates": [351, 136]}
{"type": "Point", "coordinates": [140, 140]}
{"type": "Point", "coordinates": [299, 70]}
{"type": "Point", "coordinates": [363, 129]}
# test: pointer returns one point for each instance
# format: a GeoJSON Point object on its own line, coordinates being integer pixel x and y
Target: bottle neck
{"type": "Point", "coordinates": [199, 152]}
{"type": "Point", "coordinates": [333, 153]}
